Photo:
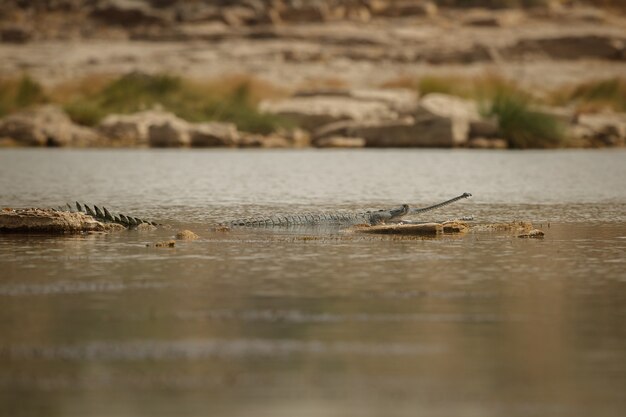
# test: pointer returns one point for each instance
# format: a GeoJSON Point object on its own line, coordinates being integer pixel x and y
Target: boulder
{"type": "Point", "coordinates": [16, 34]}
{"type": "Point", "coordinates": [312, 112]}
{"type": "Point", "coordinates": [132, 129]}
{"type": "Point", "coordinates": [602, 129]}
{"type": "Point", "coordinates": [448, 114]}
{"type": "Point", "coordinates": [213, 134]}
{"type": "Point", "coordinates": [173, 133]}
{"type": "Point", "coordinates": [340, 142]}
{"type": "Point", "coordinates": [486, 128]}
{"type": "Point", "coordinates": [571, 47]}
{"type": "Point", "coordinates": [186, 235]}
{"type": "Point", "coordinates": [400, 100]}
{"type": "Point", "coordinates": [445, 105]}
{"type": "Point", "coordinates": [129, 13]}
{"type": "Point", "coordinates": [427, 131]}
{"type": "Point", "coordinates": [424, 132]}
{"type": "Point", "coordinates": [401, 8]}
{"type": "Point", "coordinates": [35, 220]}
{"type": "Point", "coordinates": [304, 12]}
{"type": "Point", "coordinates": [239, 15]}
{"type": "Point", "coordinates": [46, 126]}
{"type": "Point", "coordinates": [421, 229]}
{"type": "Point", "coordinates": [487, 143]}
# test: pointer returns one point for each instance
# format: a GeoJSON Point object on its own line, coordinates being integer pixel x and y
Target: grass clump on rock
{"type": "Point", "coordinates": [519, 122]}
{"type": "Point", "coordinates": [20, 93]}
{"type": "Point", "coordinates": [594, 95]}
{"type": "Point", "coordinates": [229, 100]}
{"type": "Point", "coordinates": [521, 125]}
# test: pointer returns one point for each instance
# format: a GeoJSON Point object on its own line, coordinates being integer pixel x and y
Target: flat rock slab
{"type": "Point", "coordinates": [34, 220]}
{"type": "Point", "coordinates": [423, 229]}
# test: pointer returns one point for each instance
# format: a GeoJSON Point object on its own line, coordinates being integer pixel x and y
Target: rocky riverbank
{"type": "Point", "coordinates": [326, 119]}
{"type": "Point", "coordinates": [351, 73]}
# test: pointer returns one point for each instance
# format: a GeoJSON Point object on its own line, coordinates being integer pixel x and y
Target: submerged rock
{"type": "Point", "coordinates": [164, 244]}
{"type": "Point", "coordinates": [423, 229]}
{"type": "Point", "coordinates": [186, 235]}
{"type": "Point", "coordinates": [535, 233]}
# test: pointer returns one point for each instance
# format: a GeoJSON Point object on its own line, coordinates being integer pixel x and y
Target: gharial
{"type": "Point", "coordinates": [376, 217]}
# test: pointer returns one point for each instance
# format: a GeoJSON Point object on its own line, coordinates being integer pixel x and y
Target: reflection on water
{"type": "Point", "coordinates": [316, 322]}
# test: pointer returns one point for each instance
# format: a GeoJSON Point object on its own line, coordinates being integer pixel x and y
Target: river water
{"type": "Point", "coordinates": [316, 322]}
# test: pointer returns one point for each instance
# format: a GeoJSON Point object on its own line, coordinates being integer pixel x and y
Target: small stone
{"type": "Point", "coordinates": [422, 229]}
{"type": "Point", "coordinates": [535, 233]}
{"type": "Point", "coordinates": [340, 142]}
{"type": "Point", "coordinates": [164, 244]}
{"type": "Point", "coordinates": [455, 227]}
{"type": "Point", "coordinates": [186, 235]}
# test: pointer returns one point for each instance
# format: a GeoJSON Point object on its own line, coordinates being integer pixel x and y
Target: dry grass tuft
{"type": "Point", "coordinates": [231, 99]}
{"type": "Point", "coordinates": [593, 96]}
{"type": "Point", "coordinates": [19, 93]}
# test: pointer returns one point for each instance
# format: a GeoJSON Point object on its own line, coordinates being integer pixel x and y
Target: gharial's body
{"type": "Point", "coordinates": [342, 218]}
{"type": "Point", "coordinates": [375, 217]}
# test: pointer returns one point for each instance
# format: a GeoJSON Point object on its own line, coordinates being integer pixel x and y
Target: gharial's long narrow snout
{"type": "Point", "coordinates": [439, 205]}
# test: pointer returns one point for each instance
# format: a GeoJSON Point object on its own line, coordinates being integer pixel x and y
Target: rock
{"type": "Point", "coordinates": [422, 229]}
{"type": "Point", "coordinates": [144, 227]}
{"type": "Point", "coordinates": [186, 235]}
{"type": "Point", "coordinates": [535, 233]}
{"type": "Point", "coordinates": [133, 129]}
{"type": "Point", "coordinates": [601, 129]}
{"type": "Point", "coordinates": [35, 220]}
{"type": "Point", "coordinates": [16, 34]}
{"type": "Point", "coordinates": [340, 142]}
{"type": "Point", "coordinates": [239, 15]}
{"type": "Point", "coordinates": [492, 18]}
{"type": "Point", "coordinates": [487, 143]}
{"type": "Point", "coordinates": [163, 244]}
{"type": "Point", "coordinates": [518, 227]}
{"type": "Point", "coordinates": [213, 134]}
{"type": "Point", "coordinates": [46, 126]}
{"type": "Point", "coordinates": [445, 105]}
{"type": "Point", "coordinates": [454, 227]}
{"type": "Point", "coordinates": [296, 137]}
{"type": "Point", "coordinates": [400, 100]}
{"type": "Point", "coordinates": [8, 143]}
{"type": "Point", "coordinates": [315, 111]}
{"type": "Point", "coordinates": [429, 131]}
{"type": "Point", "coordinates": [129, 128]}
{"type": "Point", "coordinates": [451, 114]}
{"type": "Point", "coordinates": [400, 8]}
{"type": "Point", "coordinates": [571, 47]}
{"type": "Point", "coordinates": [129, 13]}
{"type": "Point", "coordinates": [304, 12]}
{"type": "Point", "coordinates": [484, 128]}
{"type": "Point", "coordinates": [172, 133]}
{"type": "Point", "coordinates": [274, 141]}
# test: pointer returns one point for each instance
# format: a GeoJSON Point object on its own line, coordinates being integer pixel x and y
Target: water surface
{"type": "Point", "coordinates": [314, 321]}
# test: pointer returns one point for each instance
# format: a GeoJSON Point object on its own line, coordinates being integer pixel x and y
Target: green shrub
{"type": "Point", "coordinates": [191, 101]}
{"type": "Point", "coordinates": [16, 94]}
{"type": "Point", "coordinates": [522, 126]}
